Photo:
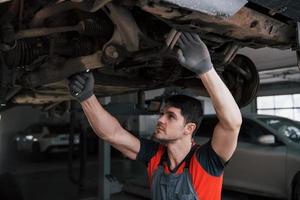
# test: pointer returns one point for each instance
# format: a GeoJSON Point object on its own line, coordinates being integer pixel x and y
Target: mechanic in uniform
{"type": "Point", "coordinates": [177, 167]}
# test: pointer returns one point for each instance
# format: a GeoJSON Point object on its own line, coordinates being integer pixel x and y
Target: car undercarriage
{"type": "Point", "coordinates": [126, 45]}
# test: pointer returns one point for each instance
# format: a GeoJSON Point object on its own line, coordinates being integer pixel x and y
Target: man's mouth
{"type": "Point", "coordinates": [159, 128]}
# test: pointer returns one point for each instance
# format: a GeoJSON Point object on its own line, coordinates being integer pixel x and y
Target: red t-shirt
{"type": "Point", "coordinates": [206, 167]}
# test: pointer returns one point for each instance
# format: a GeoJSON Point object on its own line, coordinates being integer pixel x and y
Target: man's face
{"type": "Point", "coordinates": [170, 125]}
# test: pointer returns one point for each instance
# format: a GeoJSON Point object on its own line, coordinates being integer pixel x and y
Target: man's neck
{"type": "Point", "coordinates": [177, 151]}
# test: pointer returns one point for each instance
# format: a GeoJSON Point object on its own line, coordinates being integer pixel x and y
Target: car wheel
{"type": "Point", "coordinates": [296, 193]}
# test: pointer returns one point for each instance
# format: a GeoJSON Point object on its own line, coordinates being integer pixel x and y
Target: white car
{"type": "Point", "coordinates": [45, 138]}
{"type": "Point", "coordinates": [267, 158]}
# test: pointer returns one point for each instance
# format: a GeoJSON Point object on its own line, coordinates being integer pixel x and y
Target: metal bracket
{"type": "Point", "coordinates": [126, 30]}
{"type": "Point", "coordinates": [59, 68]}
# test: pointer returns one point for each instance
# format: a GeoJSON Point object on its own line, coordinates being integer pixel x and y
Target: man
{"type": "Point", "coordinates": [177, 168]}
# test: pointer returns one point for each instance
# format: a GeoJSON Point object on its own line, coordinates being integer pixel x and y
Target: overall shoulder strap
{"type": "Point", "coordinates": [190, 155]}
{"type": "Point", "coordinates": [163, 157]}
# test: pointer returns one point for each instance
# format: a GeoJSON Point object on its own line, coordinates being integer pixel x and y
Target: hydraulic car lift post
{"type": "Point", "coordinates": [104, 159]}
{"type": "Point", "coordinates": [79, 179]}
{"type": "Point", "coordinates": [107, 183]}
{"type": "Point", "coordinates": [104, 170]}
{"type": "Point", "coordinates": [298, 45]}
{"type": "Point", "coordinates": [104, 185]}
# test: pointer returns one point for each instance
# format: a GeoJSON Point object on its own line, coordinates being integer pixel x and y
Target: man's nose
{"type": "Point", "coordinates": [161, 119]}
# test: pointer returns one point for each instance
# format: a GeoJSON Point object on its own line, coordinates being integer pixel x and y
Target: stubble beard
{"type": "Point", "coordinates": [163, 141]}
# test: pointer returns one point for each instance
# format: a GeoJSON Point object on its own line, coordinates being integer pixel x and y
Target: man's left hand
{"type": "Point", "coordinates": [193, 53]}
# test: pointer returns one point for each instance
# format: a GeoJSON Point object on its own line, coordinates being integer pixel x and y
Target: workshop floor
{"type": "Point", "coordinates": [49, 180]}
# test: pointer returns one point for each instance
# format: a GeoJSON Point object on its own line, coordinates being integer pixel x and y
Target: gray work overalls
{"type": "Point", "coordinates": [173, 186]}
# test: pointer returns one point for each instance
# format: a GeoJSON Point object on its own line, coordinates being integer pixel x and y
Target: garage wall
{"type": "Point", "coordinates": [143, 125]}
{"type": "Point", "coordinates": [279, 89]}
{"type": "Point", "coordinates": [209, 109]}
{"type": "Point", "coordinates": [207, 105]}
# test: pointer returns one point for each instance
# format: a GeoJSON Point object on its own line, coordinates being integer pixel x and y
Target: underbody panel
{"type": "Point", "coordinates": [125, 44]}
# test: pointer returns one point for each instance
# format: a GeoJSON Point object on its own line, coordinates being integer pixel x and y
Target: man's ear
{"type": "Point", "coordinates": [190, 128]}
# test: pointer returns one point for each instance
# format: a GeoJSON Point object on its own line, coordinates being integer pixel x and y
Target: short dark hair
{"type": "Point", "coordinates": [191, 108]}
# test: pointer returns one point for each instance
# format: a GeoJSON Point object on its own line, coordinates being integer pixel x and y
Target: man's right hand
{"type": "Point", "coordinates": [81, 85]}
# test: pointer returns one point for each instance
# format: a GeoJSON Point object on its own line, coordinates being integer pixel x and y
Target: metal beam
{"type": "Point", "coordinates": [104, 171]}
{"type": "Point", "coordinates": [246, 26]}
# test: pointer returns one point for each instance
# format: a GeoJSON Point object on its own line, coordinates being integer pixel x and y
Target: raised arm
{"type": "Point", "coordinates": [194, 55]}
{"type": "Point", "coordinates": [104, 124]}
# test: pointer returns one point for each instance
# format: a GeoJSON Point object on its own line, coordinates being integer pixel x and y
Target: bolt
{"type": "Point", "coordinates": [111, 51]}
{"type": "Point", "coordinates": [115, 54]}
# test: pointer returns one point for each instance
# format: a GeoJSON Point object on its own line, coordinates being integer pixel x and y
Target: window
{"type": "Point", "coordinates": [281, 105]}
{"type": "Point", "coordinates": [250, 131]}
{"type": "Point", "coordinates": [285, 127]}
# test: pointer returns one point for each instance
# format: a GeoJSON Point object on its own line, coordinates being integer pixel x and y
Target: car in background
{"type": "Point", "coordinates": [45, 138]}
{"type": "Point", "coordinates": [267, 159]}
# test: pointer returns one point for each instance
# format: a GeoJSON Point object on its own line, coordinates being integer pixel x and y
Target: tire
{"type": "Point", "coordinates": [296, 191]}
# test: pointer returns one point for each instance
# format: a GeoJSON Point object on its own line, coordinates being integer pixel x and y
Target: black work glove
{"type": "Point", "coordinates": [193, 53]}
{"type": "Point", "coordinates": [81, 85]}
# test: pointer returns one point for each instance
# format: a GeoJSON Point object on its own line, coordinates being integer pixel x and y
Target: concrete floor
{"type": "Point", "coordinates": [48, 180]}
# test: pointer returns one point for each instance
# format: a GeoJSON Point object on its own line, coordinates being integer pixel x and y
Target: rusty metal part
{"type": "Point", "coordinates": [126, 30]}
{"type": "Point", "coordinates": [59, 68]}
{"type": "Point", "coordinates": [174, 41]}
{"type": "Point", "coordinates": [172, 38]}
{"type": "Point", "coordinates": [36, 98]}
{"type": "Point", "coordinates": [152, 57]}
{"type": "Point", "coordinates": [247, 25]}
{"type": "Point", "coordinates": [58, 92]}
{"type": "Point", "coordinates": [230, 53]}
{"type": "Point", "coordinates": [223, 58]}
{"type": "Point", "coordinates": [64, 6]}
{"type": "Point", "coordinates": [161, 11]}
{"type": "Point", "coordinates": [85, 27]}
{"type": "Point", "coordinates": [3, 1]}
{"type": "Point", "coordinates": [38, 32]}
